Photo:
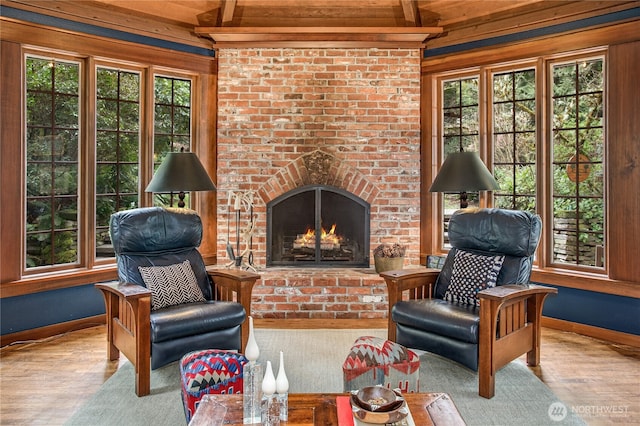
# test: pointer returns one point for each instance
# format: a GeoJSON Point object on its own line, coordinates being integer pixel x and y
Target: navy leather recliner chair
{"type": "Point", "coordinates": [158, 237]}
{"type": "Point", "coordinates": [502, 323]}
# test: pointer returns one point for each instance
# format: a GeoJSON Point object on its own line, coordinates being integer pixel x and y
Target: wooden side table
{"type": "Point", "coordinates": [319, 409]}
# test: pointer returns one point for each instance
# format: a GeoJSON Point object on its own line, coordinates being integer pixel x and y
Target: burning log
{"type": "Point", "coordinates": [328, 240]}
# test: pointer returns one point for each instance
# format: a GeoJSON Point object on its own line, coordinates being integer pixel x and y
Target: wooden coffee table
{"type": "Point", "coordinates": [319, 409]}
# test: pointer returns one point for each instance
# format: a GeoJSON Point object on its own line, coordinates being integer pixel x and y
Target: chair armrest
{"type": "Point", "coordinates": [418, 283]}
{"type": "Point", "coordinates": [402, 280]}
{"type": "Point", "coordinates": [506, 293]}
{"type": "Point", "coordinates": [229, 282]}
{"type": "Point", "coordinates": [493, 299]}
{"type": "Point", "coordinates": [126, 291]}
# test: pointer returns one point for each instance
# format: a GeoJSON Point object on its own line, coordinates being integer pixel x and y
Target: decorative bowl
{"type": "Point", "coordinates": [377, 398]}
{"type": "Point", "coordinates": [378, 405]}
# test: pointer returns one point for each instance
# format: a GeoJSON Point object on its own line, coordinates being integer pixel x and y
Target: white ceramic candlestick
{"type": "Point", "coordinates": [269, 381]}
{"type": "Point", "coordinates": [270, 409]}
{"type": "Point", "coordinates": [251, 352]}
{"type": "Point", "coordinates": [282, 387]}
{"type": "Point", "coordinates": [251, 378]}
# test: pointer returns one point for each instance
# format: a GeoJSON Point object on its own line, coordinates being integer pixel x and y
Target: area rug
{"type": "Point", "coordinates": [313, 361]}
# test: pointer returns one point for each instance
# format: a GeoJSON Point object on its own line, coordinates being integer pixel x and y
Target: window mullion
{"type": "Point", "coordinates": [88, 163]}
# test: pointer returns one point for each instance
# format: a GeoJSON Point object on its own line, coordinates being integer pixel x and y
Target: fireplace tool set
{"type": "Point", "coordinates": [238, 201]}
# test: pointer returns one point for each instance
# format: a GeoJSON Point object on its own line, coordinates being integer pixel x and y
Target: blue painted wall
{"type": "Point", "coordinates": [602, 310]}
{"type": "Point", "coordinates": [50, 307]}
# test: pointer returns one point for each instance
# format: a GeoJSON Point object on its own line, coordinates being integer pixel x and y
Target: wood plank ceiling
{"type": "Point", "coordinates": [323, 23]}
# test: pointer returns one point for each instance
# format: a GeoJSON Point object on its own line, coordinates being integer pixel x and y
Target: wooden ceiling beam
{"type": "Point", "coordinates": [228, 8]}
{"type": "Point", "coordinates": [410, 10]}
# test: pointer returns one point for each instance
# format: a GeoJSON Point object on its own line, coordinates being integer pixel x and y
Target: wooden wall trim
{"type": "Point", "coordinates": [548, 45]}
{"type": "Point", "coordinates": [100, 17]}
{"type": "Point", "coordinates": [587, 282]}
{"type": "Point", "coordinates": [428, 167]}
{"type": "Point", "coordinates": [52, 330]}
{"type": "Point", "coordinates": [69, 326]}
{"type": "Point", "coordinates": [527, 24]}
{"type": "Point", "coordinates": [86, 44]}
{"type": "Point", "coordinates": [10, 150]}
{"type": "Point", "coordinates": [591, 331]}
{"type": "Point", "coordinates": [205, 138]}
{"type": "Point", "coordinates": [48, 282]}
{"type": "Point", "coordinates": [623, 151]}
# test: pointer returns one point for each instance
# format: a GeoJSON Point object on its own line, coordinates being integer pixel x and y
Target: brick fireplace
{"type": "Point", "coordinates": [343, 118]}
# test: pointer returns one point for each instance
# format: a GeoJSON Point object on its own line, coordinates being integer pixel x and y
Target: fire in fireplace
{"type": "Point", "coordinates": [328, 240]}
{"type": "Point", "coordinates": [318, 225]}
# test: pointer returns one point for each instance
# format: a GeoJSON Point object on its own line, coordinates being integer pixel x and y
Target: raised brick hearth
{"type": "Point", "coordinates": [319, 294]}
{"type": "Point", "coordinates": [349, 118]}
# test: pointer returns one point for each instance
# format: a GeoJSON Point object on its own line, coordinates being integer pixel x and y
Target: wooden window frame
{"type": "Point", "coordinates": [19, 38]}
{"type": "Point", "coordinates": [549, 62]}
{"type": "Point", "coordinates": [192, 128]}
{"type": "Point", "coordinates": [544, 204]}
{"type": "Point", "coordinates": [80, 260]}
{"type": "Point", "coordinates": [438, 147]}
{"type": "Point", "coordinates": [92, 148]}
{"type": "Point", "coordinates": [491, 73]}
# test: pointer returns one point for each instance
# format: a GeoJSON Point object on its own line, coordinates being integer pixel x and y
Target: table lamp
{"type": "Point", "coordinates": [462, 172]}
{"type": "Point", "coordinates": [180, 172]}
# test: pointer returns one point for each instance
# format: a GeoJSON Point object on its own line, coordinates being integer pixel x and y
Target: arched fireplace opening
{"type": "Point", "coordinates": [318, 225]}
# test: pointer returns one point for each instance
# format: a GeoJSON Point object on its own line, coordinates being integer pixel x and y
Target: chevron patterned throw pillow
{"type": "Point", "coordinates": [471, 274]}
{"type": "Point", "coordinates": [171, 285]}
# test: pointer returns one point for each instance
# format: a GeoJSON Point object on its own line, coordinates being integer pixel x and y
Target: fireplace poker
{"type": "Point", "coordinates": [236, 206]}
{"type": "Point", "coordinates": [250, 257]}
{"type": "Point", "coordinates": [230, 252]}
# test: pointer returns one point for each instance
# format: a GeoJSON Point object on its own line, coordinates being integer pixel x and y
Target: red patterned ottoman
{"type": "Point", "coordinates": [209, 372]}
{"type": "Point", "coordinates": [375, 361]}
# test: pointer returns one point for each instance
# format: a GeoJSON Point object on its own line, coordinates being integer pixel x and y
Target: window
{"type": "Point", "coordinates": [577, 96]}
{"type": "Point", "coordinates": [68, 169]}
{"type": "Point", "coordinates": [514, 139]}
{"type": "Point", "coordinates": [117, 149]}
{"type": "Point", "coordinates": [52, 161]}
{"type": "Point", "coordinates": [172, 124]}
{"type": "Point", "coordinates": [574, 205]}
{"type": "Point", "coordinates": [460, 127]}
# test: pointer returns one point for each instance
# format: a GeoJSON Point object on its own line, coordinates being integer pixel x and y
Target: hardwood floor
{"type": "Point", "coordinates": [43, 383]}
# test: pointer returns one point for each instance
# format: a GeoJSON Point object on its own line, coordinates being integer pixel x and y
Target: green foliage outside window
{"type": "Point", "coordinates": [577, 146]}
{"type": "Point", "coordinates": [172, 125]}
{"type": "Point", "coordinates": [53, 178]}
{"type": "Point", "coordinates": [52, 139]}
{"type": "Point", "coordinates": [514, 139]}
{"type": "Point", "coordinates": [117, 148]}
{"type": "Point", "coordinates": [460, 127]}
{"type": "Point", "coordinates": [52, 151]}
{"type": "Point", "coordinates": [578, 163]}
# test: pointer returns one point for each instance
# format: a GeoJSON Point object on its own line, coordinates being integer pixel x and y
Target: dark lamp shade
{"type": "Point", "coordinates": [463, 172]}
{"type": "Point", "coordinates": [180, 172]}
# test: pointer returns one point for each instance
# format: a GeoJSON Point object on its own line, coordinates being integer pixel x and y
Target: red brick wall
{"type": "Point", "coordinates": [359, 108]}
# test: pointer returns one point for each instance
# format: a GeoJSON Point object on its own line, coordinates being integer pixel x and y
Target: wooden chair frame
{"type": "Point", "coordinates": [128, 309]}
{"type": "Point", "coordinates": [509, 319]}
